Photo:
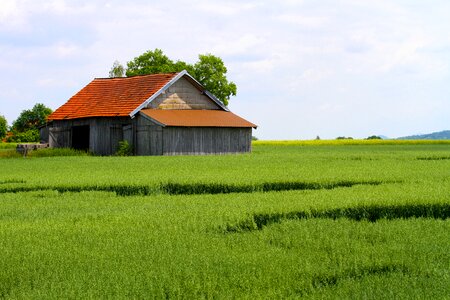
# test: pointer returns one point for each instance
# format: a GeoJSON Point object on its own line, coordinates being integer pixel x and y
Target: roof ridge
{"type": "Point", "coordinates": [134, 76]}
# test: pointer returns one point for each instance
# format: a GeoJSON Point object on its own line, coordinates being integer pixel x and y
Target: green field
{"type": "Point", "coordinates": [290, 220]}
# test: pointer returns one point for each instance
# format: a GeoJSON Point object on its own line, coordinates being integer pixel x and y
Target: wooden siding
{"type": "Point", "coordinates": [182, 95]}
{"type": "Point", "coordinates": [149, 138]}
{"type": "Point", "coordinates": [59, 136]}
{"type": "Point", "coordinates": [44, 134]}
{"type": "Point", "coordinates": [206, 140]}
{"type": "Point", "coordinates": [104, 134]}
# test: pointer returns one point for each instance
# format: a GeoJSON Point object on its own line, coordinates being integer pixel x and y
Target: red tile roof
{"type": "Point", "coordinates": [111, 97]}
{"type": "Point", "coordinates": [197, 118]}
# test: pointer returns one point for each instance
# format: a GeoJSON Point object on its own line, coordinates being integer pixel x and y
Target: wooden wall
{"type": "Point", "coordinates": [149, 138]}
{"type": "Point", "coordinates": [153, 139]}
{"type": "Point", "coordinates": [206, 140]}
{"type": "Point", "coordinates": [43, 134]}
{"type": "Point", "coordinates": [104, 133]}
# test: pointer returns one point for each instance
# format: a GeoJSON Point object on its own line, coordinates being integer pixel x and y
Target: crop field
{"type": "Point", "coordinates": [291, 220]}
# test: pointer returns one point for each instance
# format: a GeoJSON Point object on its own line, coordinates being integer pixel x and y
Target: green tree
{"type": "Point", "coordinates": [31, 118]}
{"type": "Point", "coordinates": [25, 127]}
{"type": "Point", "coordinates": [117, 70]}
{"type": "Point", "coordinates": [209, 70]}
{"type": "Point", "coordinates": [3, 127]}
{"type": "Point", "coordinates": [151, 62]}
{"type": "Point", "coordinates": [373, 137]}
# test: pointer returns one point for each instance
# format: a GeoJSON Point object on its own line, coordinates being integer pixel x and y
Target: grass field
{"type": "Point", "coordinates": [287, 221]}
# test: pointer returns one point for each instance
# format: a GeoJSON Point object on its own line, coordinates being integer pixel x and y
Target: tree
{"type": "Point", "coordinates": [3, 127]}
{"type": "Point", "coordinates": [117, 70]}
{"type": "Point", "coordinates": [25, 127]}
{"type": "Point", "coordinates": [373, 137]}
{"type": "Point", "coordinates": [152, 62]}
{"type": "Point", "coordinates": [209, 70]}
{"type": "Point", "coordinates": [32, 118]}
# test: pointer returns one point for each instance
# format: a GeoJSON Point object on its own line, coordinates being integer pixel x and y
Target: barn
{"type": "Point", "coordinates": [158, 114]}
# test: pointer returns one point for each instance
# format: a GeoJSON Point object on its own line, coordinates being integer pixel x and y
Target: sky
{"type": "Point", "coordinates": [303, 68]}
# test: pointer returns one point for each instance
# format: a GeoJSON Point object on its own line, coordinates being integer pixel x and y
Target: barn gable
{"type": "Point", "coordinates": [158, 114]}
{"type": "Point", "coordinates": [179, 93]}
{"type": "Point", "coordinates": [182, 94]}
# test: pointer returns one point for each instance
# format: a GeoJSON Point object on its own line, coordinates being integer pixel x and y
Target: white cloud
{"type": "Point", "coordinates": [302, 20]}
{"type": "Point", "coordinates": [11, 15]}
{"type": "Point", "coordinates": [241, 45]}
{"type": "Point", "coordinates": [8, 9]}
{"type": "Point", "coordinates": [65, 50]}
{"type": "Point", "coordinates": [224, 8]}
{"type": "Point", "coordinates": [264, 66]}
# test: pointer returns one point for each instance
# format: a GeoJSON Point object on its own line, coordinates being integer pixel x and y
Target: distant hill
{"type": "Point", "coordinates": [441, 135]}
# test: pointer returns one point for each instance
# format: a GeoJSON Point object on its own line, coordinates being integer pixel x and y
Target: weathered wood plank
{"type": "Point", "coordinates": [149, 138]}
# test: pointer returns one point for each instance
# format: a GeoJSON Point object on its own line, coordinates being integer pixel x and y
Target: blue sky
{"type": "Point", "coordinates": [303, 68]}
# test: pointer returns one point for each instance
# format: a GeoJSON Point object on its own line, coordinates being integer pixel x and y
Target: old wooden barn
{"type": "Point", "coordinates": [158, 114]}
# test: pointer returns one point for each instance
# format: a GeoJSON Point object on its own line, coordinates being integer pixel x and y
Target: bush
{"type": "Point", "coordinates": [125, 149]}
{"type": "Point", "coordinates": [29, 136]}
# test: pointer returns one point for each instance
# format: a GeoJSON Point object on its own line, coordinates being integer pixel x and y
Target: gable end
{"type": "Point", "coordinates": [177, 103]}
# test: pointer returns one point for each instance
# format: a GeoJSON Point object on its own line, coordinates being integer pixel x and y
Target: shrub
{"type": "Point", "coordinates": [125, 149]}
{"type": "Point", "coordinates": [29, 136]}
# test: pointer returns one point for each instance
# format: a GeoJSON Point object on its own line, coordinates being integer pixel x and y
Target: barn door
{"type": "Point", "coordinates": [80, 137]}
{"type": "Point", "coordinates": [59, 137]}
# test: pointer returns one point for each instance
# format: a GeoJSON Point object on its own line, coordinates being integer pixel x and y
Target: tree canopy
{"type": "Point", "coordinates": [25, 127]}
{"type": "Point", "coordinates": [117, 70]}
{"type": "Point", "coordinates": [209, 70]}
{"type": "Point", "coordinates": [3, 127]}
{"type": "Point", "coordinates": [32, 118]}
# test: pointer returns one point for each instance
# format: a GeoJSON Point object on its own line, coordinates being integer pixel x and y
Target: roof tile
{"type": "Point", "coordinates": [196, 118]}
{"type": "Point", "coordinates": [106, 97]}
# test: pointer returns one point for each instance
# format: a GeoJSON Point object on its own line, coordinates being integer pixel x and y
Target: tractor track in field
{"type": "Point", "coordinates": [370, 213]}
{"type": "Point", "coordinates": [171, 188]}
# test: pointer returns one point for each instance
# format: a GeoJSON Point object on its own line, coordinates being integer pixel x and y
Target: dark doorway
{"type": "Point", "coordinates": [80, 137]}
